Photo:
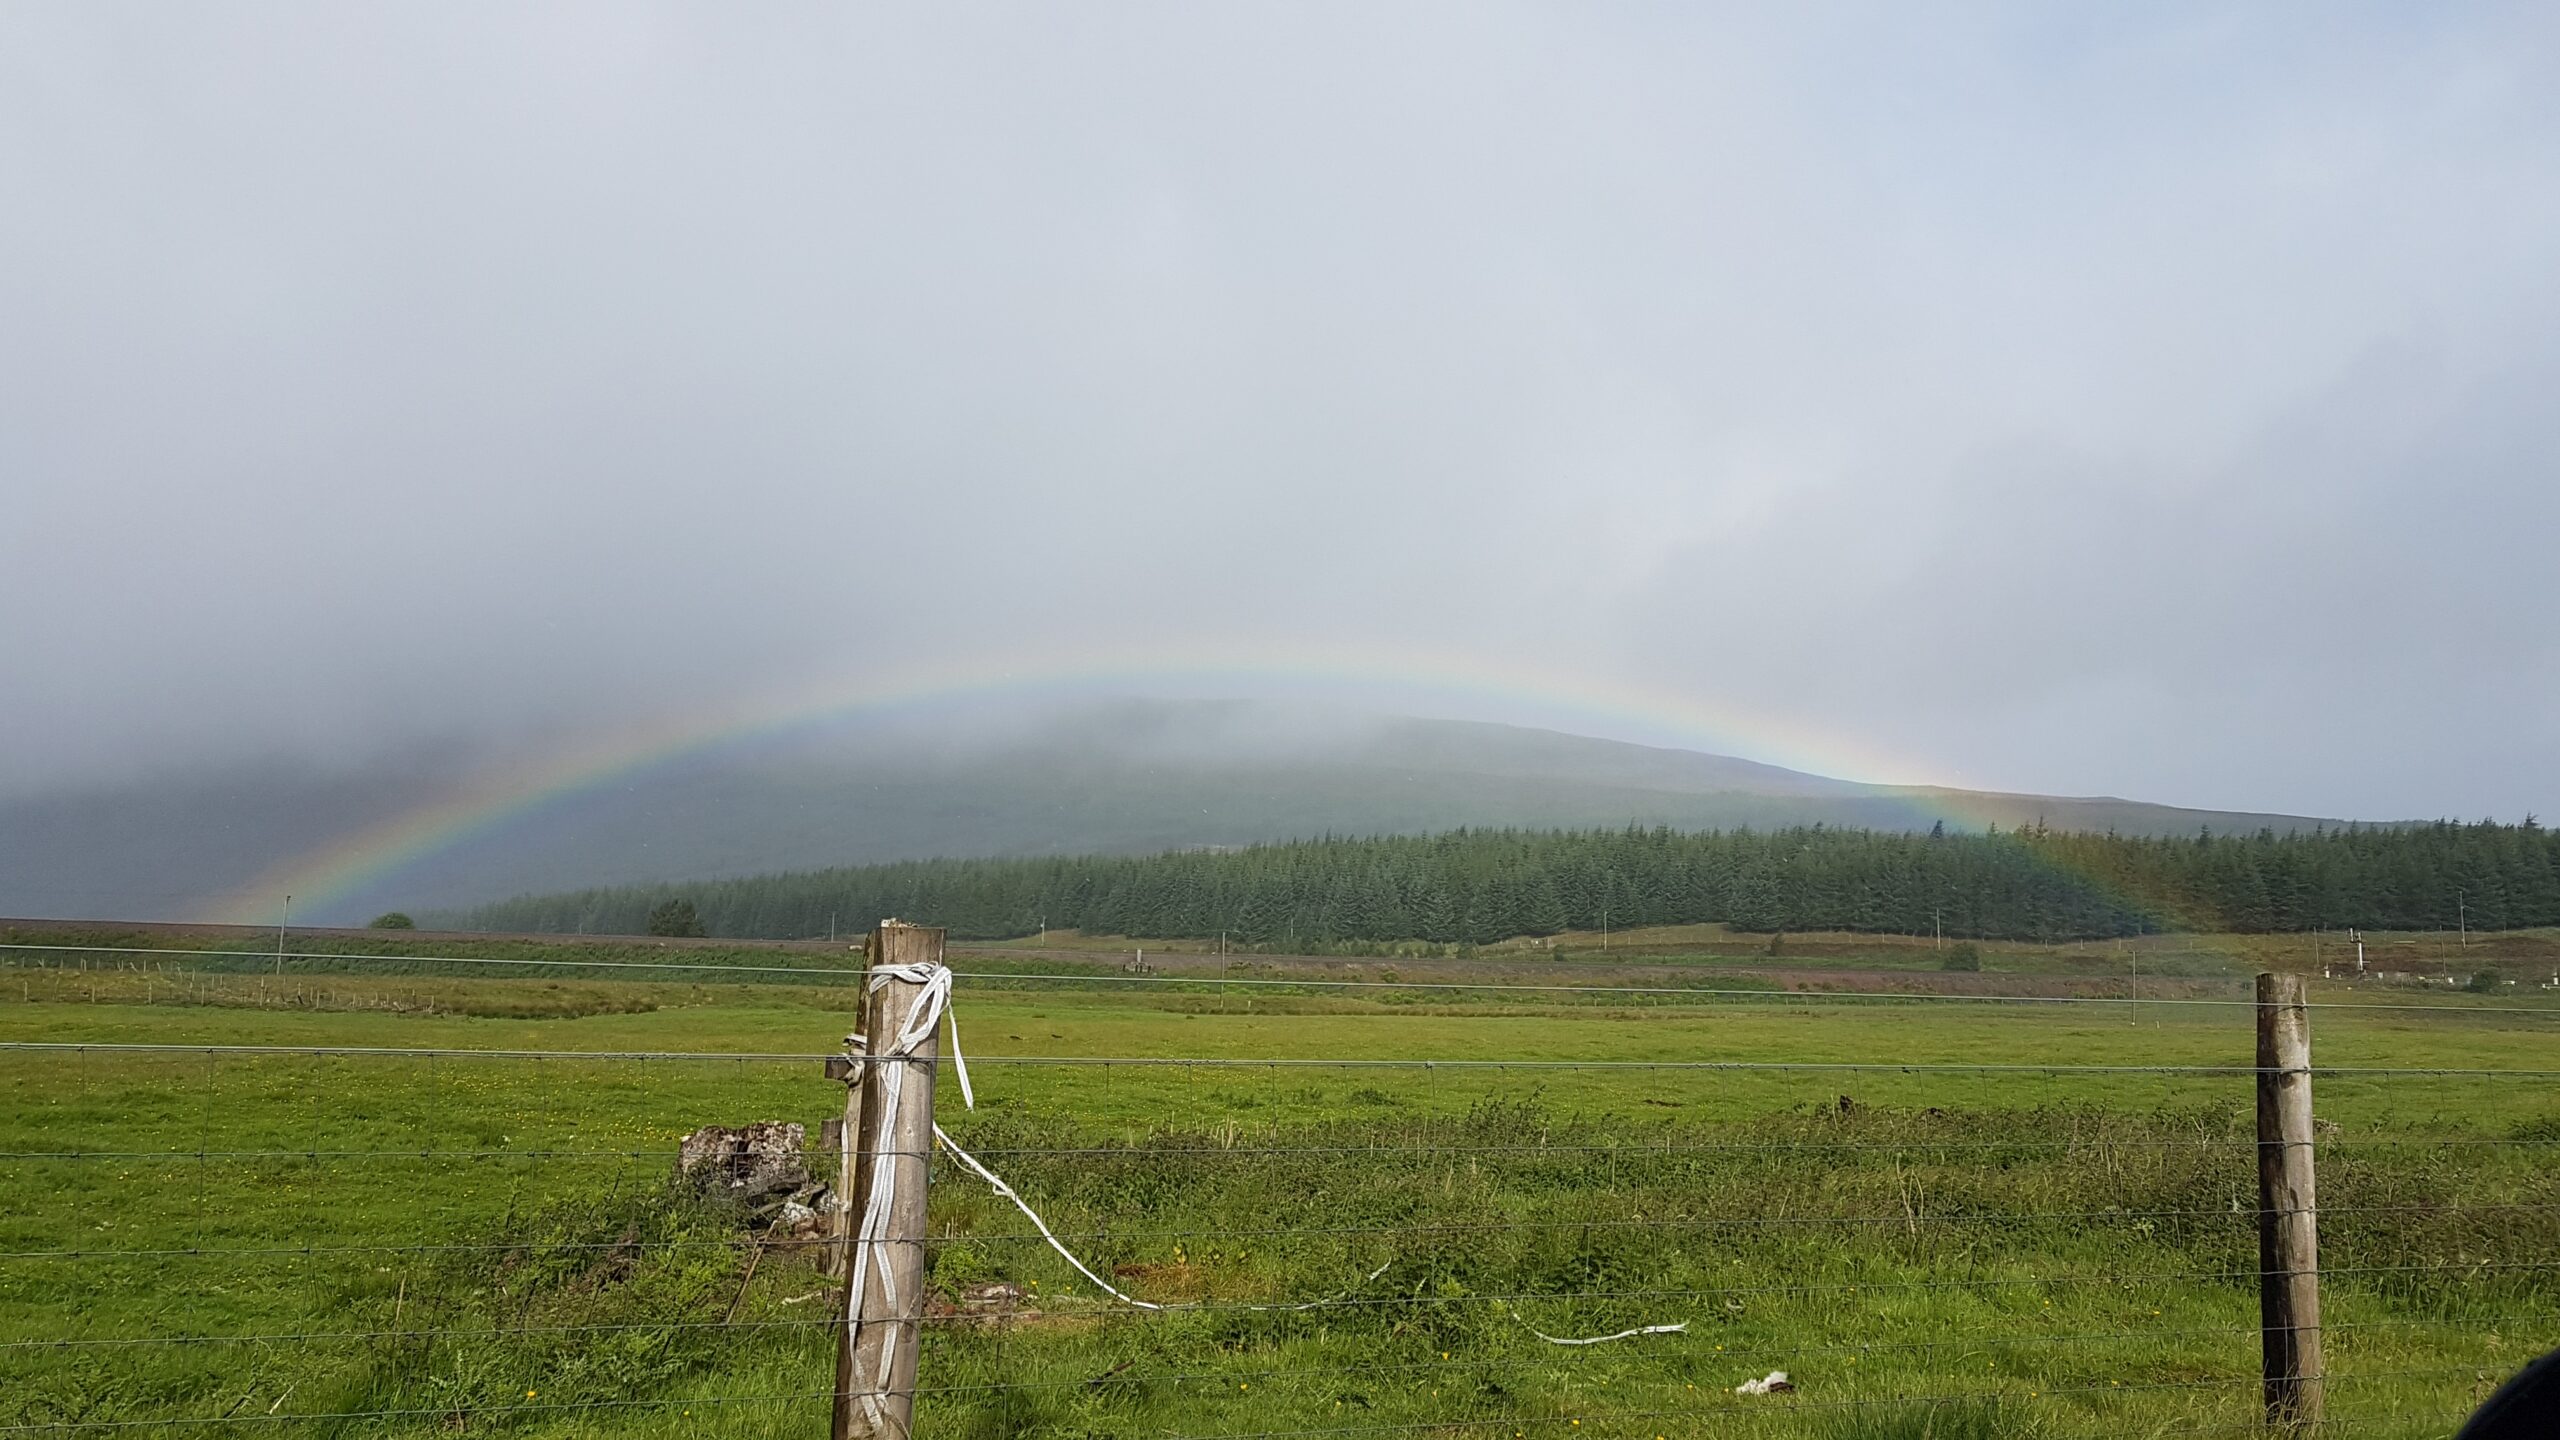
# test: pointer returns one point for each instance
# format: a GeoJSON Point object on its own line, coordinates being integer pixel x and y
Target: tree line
{"type": "Point", "coordinates": [1478, 886]}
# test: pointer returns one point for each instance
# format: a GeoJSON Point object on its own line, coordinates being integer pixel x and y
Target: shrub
{"type": "Point", "coordinates": [1962, 955]}
{"type": "Point", "coordinates": [675, 918]}
{"type": "Point", "coordinates": [391, 920]}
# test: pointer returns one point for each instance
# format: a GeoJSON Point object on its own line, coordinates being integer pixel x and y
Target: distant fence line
{"type": "Point", "coordinates": [302, 962]}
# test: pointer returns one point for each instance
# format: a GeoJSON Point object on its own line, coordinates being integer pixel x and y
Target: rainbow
{"type": "Point", "coordinates": [363, 860]}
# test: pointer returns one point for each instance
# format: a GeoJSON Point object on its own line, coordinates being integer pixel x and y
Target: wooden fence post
{"type": "Point", "coordinates": [839, 1162]}
{"type": "Point", "coordinates": [2288, 1213]}
{"type": "Point", "coordinates": [893, 1146]}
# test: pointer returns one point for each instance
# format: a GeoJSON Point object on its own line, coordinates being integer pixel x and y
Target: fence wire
{"type": "Point", "coordinates": [851, 974]}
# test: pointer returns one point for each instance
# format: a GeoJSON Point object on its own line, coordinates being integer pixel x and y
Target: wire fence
{"type": "Point", "coordinates": [361, 1238]}
{"type": "Point", "coordinates": [1308, 978]}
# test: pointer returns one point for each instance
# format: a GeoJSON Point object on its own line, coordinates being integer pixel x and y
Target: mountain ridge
{"type": "Point", "coordinates": [1113, 777]}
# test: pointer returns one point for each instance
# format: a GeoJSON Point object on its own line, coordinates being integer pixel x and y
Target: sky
{"type": "Point", "coordinates": [2143, 400]}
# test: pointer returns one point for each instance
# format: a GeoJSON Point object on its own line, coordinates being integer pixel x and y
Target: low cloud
{"type": "Point", "coordinates": [2059, 401]}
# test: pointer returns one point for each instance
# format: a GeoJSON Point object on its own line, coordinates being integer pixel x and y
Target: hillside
{"type": "Point", "coordinates": [1123, 777]}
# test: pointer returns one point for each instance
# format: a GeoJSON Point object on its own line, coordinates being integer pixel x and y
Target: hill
{"type": "Point", "coordinates": [1121, 777]}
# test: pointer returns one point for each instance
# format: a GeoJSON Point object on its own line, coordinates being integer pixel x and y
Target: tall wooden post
{"type": "Point", "coordinates": [893, 1147]}
{"type": "Point", "coordinates": [2288, 1212]}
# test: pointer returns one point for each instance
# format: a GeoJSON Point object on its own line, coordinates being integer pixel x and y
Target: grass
{"type": "Point", "coordinates": [1928, 1253]}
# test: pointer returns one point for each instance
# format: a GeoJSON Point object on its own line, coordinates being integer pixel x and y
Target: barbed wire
{"type": "Point", "coordinates": [491, 1332]}
{"type": "Point", "coordinates": [830, 1322]}
{"type": "Point", "coordinates": [1693, 1410]}
{"type": "Point", "coordinates": [1798, 1405]}
{"type": "Point", "coordinates": [1910, 1219]}
{"type": "Point", "coordinates": [2127, 1279]}
{"type": "Point", "coordinates": [1633, 1148]}
{"type": "Point", "coordinates": [1634, 1151]}
{"type": "Point", "coordinates": [1758, 1416]}
{"type": "Point", "coordinates": [1776, 1349]}
{"type": "Point", "coordinates": [1149, 1062]}
{"type": "Point", "coordinates": [511, 1408]}
{"type": "Point", "coordinates": [1738, 992]}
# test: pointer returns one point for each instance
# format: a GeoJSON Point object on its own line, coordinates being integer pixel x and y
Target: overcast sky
{"type": "Point", "coordinates": [2152, 400]}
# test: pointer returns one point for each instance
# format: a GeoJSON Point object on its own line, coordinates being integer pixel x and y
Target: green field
{"type": "Point", "coordinates": [456, 1245]}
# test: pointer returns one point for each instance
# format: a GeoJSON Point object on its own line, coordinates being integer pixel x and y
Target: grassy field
{"type": "Point", "coordinates": [475, 1244]}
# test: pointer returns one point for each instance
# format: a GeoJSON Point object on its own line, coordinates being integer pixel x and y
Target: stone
{"type": "Point", "coordinates": [748, 1162]}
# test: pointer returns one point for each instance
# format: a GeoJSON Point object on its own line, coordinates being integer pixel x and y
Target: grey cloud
{"type": "Point", "coordinates": [1998, 383]}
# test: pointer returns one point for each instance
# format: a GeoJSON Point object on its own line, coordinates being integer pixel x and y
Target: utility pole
{"type": "Point", "coordinates": [281, 921]}
{"type": "Point", "coordinates": [2462, 917]}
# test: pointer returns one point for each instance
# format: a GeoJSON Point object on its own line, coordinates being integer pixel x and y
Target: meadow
{"type": "Point", "coordinates": [1936, 1215]}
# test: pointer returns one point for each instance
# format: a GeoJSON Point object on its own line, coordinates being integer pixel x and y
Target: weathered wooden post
{"type": "Point", "coordinates": [891, 1145]}
{"type": "Point", "coordinates": [2288, 1213]}
{"type": "Point", "coordinates": [835, 1154]}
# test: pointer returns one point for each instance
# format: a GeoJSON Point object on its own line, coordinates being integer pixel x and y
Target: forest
{"type": "Point", "coordinates": [1479, 886]}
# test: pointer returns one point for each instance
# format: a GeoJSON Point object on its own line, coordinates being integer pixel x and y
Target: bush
{"type": "Point", "coordinates": [1777, 942]}
{"type": "Point", "coordinates": [2483, 982]}
{"type": "Point", "coordinates": [1962, 955]}
{"type": "Point", "coordinates": [676, 918]}
{"type": "Point", "coordinates": [391, 920]}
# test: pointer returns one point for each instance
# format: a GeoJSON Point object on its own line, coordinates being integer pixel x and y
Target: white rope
{"type": "Point", "coordinates": [932, 1007]}
{"type": "Point", "coordinates": [1674, 1329]}
{"type": "Point", "coordinates": [996, 1182]}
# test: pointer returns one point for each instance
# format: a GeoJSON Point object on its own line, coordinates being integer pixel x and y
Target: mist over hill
{"type": "Point", "coordinates": [1114, 777]}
